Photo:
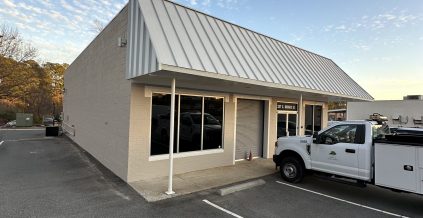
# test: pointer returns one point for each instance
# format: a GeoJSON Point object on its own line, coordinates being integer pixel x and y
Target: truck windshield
{"type": "Point", "coordinates": [379, 131]}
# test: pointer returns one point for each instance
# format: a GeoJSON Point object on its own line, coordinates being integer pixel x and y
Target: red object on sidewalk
{"type": "Point", "coordinates": [250, 157]}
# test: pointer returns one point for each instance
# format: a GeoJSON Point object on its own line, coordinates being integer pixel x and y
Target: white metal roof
{"type": "Point", "coordinates": [182, 37]}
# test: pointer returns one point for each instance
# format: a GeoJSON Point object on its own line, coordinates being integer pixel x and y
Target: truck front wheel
{"type": "Point", "coordinates": [291, 170]}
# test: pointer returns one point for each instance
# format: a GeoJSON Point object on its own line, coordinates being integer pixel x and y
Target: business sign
{"type": "Point", "coordinates": [287, 107]}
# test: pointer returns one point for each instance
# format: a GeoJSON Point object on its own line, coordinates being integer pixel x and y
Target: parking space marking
{"type": "Point", "coordinates": [1, 143]}
{"type": "Point", "coordinates": [342, 200]}
{"type": "Point", "coordinates": [39, 129]}
{"type": "Point", "coordinates": [30, 139]}
{"type": "Point", "coordinates": [222, 209]}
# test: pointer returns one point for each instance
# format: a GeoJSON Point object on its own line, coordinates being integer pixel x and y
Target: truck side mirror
{"type": "Point", "coordinates": [315, 138]}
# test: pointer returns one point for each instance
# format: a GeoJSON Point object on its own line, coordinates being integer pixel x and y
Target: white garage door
{"type": "Point", "coordinates": [249, 128]}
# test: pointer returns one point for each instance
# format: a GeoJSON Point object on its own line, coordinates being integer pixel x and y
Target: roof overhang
{"type": "Point", "coordinates": [207, 81]}
{"type": "Point", "coordinates": [164, 36]}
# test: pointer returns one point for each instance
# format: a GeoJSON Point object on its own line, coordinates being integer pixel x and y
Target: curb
{"type": "Point", "coordinates": [240, 187]}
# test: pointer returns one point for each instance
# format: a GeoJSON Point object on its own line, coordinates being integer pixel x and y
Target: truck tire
{"type": "Point", "coordinates": [291, 169]}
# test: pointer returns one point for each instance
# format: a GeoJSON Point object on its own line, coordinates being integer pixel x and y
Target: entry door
{"type": "Point", "coordinates": [287, 124]}
{"type": "Point", "coordinates": [249, 128]}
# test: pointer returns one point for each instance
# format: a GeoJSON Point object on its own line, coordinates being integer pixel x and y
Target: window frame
{"type": "Point", "coordinates": [313, 117]}
{"type": "Point", "coordinates": [287, 113]}
{"type": "Point", "coordinates": [178, 154]}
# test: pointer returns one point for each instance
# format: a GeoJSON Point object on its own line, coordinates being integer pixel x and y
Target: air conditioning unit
{"type": "Point", "coordinates": [413, 97]}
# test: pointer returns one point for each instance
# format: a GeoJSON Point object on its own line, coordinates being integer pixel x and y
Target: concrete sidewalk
{"type": "Point", "coordinates": [153, 189]}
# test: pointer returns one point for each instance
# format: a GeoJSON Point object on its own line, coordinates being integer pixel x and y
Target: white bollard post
{"type": "Point", "coordinates": [171, 137]}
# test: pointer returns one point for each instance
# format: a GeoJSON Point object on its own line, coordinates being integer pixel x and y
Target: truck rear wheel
{"type": "Point", "coordinates": [292, 170]}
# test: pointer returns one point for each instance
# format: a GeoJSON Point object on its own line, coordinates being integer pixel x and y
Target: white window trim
{"type": "Point", "coordinates": [149, 90]}
{"type": "Point", "coordinates": [186, 154]}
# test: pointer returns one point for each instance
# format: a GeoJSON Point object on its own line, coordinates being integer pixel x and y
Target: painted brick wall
{"type": "Point", "coordinates": [97, 98]}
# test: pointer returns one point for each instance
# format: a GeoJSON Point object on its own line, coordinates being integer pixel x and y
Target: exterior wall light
{"type": "Point", "coordinates": [122, 42]}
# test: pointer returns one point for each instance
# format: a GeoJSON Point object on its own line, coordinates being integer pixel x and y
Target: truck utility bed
{"type": "Point", "coordinates": [399, 162]}
{"type": "Point", "coordinates": [414, 141]}
{"type": "Point", "coordinates": [405, 138]}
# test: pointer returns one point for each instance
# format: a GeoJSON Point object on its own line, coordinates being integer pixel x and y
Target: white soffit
{"type": "Point", "coordinates": [188, 39]}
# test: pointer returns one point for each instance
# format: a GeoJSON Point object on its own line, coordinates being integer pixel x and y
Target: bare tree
{"type": "Point", "coordinates": [97, 26]}
{"type": "Point", "coordinates": [13, 46]}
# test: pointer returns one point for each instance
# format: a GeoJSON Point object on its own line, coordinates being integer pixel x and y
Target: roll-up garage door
{"type": "Point", "coordinates": [249, 128]}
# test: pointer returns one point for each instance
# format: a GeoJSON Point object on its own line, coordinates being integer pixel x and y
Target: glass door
{"type": "Point", "coordinates": [282, 129]}
{"type": "Point", "coordinates": [292, 124]}
{"type": "Point", "coordinates": [287, 124]}
{"type": "Point", "coordinates": [313, 119]}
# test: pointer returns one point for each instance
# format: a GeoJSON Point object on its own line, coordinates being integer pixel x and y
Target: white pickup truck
{"type": "Point", "coordinates": [360, 150]}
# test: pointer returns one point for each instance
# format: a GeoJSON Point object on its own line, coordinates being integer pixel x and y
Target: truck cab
{"type": "Point", "coordinates": [343, 149]}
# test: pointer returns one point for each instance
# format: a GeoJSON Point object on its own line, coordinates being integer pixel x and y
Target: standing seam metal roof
{"type": "Point", "coordinates": [187, 38]}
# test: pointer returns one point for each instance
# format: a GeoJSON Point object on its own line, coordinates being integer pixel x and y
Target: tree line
{"type": "Point", "coordinates": [27, 85]}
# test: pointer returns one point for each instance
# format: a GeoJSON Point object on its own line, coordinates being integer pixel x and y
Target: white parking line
{"type": "Point", "coordinates": [339, 199]}
{"type": "Point", "coordinates": [1, 143]}
{"type": "Point", "coordinates": [29, 139]}
{"type": "Point", "coordinates": [37, 129]}
{"type": "Point", "coordinates": [222, 209]}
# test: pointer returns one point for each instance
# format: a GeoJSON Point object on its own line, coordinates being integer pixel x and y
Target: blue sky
{"type": "Point", "coordinates": [378, 43]}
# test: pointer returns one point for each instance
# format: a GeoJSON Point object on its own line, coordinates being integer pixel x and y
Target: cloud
{"type": "Point", "coordinates": [206, 5]}
{"type": "Point", "coordinates": [389, 20]}
{"type": "Point", "coordinates": [361, 46]}
{"type": "Point", "coordinates": [296, 38]}
{"type": "Point", "coordinates": [46, 3]}
{"type": "Point", "coordinates": [383, 59]}
{"type": "Point", "coordinates": [60, 29]}
{"type": "Point", "coordinates": [341, 28]}
{"type": "Point", "coordinates": [351, 61]}
{"type": "Point", "coordinates": [228, 4]}
{"type": "Point", "coordinates": [371, 31]}
{"type": "Point", "coordinates": [9, 3]}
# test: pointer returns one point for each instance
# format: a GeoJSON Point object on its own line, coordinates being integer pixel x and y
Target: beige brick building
{"type": "Point", "coordinates": [236, 91]}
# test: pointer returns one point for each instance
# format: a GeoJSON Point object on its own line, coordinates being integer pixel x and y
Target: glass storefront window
{"type": "Point", "coordinates": [313, 119]}
{"type": "Point", "coordinates": [309, 120]}
{"type": "Point", "coordinates": [213, 123]}
{"type": "Point", "coordinates": [317, 124]}
{"type": "Point", "coordinates": [160, 123]}
{"type": "Point", "coordinates": [190, 129]}
{"type": "Point", "coordinates": [200, 123]}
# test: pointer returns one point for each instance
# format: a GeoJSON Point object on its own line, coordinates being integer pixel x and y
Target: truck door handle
{"type": "Point", "coordinates": [352, 151]}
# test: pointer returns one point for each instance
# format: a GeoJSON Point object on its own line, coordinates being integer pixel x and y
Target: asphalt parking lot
{"type": "Point", "coordinates": [52, 177]}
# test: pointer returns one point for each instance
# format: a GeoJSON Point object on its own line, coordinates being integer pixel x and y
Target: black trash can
{"type": "Point", "coordinates": [52, 131]}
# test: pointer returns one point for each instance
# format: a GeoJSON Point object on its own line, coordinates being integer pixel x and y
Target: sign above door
{"type": "Point", "coordinates": [287, 106]}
